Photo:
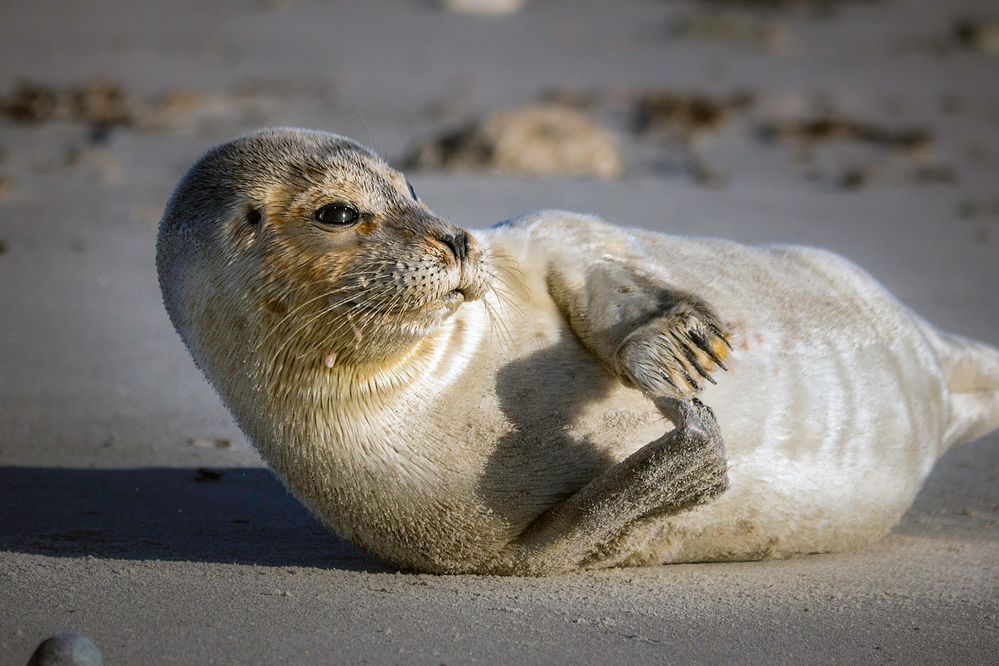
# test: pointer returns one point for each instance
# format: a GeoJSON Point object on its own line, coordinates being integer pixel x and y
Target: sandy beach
{"type": "Point", "coordinates": [134, 512]}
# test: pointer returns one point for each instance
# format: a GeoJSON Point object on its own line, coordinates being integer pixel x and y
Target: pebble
{"type": "Point", "coordinates": [484, 7]}
{"type": "Point", "coordinates": [66, 650]}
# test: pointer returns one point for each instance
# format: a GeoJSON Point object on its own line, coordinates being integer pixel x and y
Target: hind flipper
{"type": "Point", "coordinates": [972, 371]}
{"type": "Point", "coordinates": [682, 469]}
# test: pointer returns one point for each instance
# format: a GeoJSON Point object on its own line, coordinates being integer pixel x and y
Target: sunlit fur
{"type": "Point", "coordinates": [430, 408]}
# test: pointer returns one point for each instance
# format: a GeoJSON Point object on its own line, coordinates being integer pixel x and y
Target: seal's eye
{"type": "Point", "coordinates": [253, 217]}
{"type": "Point", "coordinates": [337, 215]}
{"type": "Point", "coordinates": [412, 192]}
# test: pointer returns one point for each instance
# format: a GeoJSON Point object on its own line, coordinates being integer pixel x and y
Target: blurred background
{"type": "Point", "coordinates": [870, 127]}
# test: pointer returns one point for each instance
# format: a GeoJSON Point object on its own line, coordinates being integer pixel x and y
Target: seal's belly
{"type": "Point", "coordinates": [832, 413]}
{"type": "Point", "coordinates": [831, 443]}
{"type": "Point", "coordinates": [827, 447]}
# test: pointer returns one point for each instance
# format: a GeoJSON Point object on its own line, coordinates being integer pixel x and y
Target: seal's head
{"type": "Point", "coordinates": [287, 248]}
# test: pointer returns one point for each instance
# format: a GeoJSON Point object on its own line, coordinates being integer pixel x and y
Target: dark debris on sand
{"type": "Point", "coordinates": [979, 209]}
{"type": "Point", "coordinates": [204, 474]}
{"type": "Point", "coordinates": [539, 138]}
{"type": "Point", "coordinates": [102, 107]}
{"type": "Point", "coordinates": [669, 113]}
{"type": "Point", "coordinates": [978, 35]}
{"type": "Point", "coordinates": [838, 128]}
{"type": "Point", "coordinates": [733, 28]}
{"type": "Point", "coordinates": [818, 6]}
{"type": "Point", "coordinates": [104, 104]}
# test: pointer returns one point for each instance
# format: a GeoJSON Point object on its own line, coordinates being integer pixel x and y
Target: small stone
{"type": "Point", "coordinates": [66, 650]}
{"type": "Point", "coordinates": [483, 7]}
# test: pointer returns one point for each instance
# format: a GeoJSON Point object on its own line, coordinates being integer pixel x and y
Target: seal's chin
{"type": "Point", "coordinates": [426, 318]}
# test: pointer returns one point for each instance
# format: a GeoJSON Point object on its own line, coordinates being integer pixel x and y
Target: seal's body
{"type": "Point", "coordinates": [494, 402]}
{"type": "Point", "coordinates": [837, 402]}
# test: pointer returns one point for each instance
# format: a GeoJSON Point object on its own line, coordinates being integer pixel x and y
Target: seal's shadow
{"type": "Point", "coordinates": [245, 516]}
{"type": "Point", "coordinates": [541, 395]}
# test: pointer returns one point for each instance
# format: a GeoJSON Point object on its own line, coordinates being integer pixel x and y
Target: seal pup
{"type": "Point", "coordinates": [496, 401]}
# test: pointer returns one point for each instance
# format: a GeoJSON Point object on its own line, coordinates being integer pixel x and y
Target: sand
{"type": "Point", "coordinates": [134, 512]}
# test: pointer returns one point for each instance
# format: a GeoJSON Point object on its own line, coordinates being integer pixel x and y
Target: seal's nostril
{"type": "Point", "coordinates": [458, 242]}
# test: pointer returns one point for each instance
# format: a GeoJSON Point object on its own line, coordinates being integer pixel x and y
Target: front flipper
{"type": "Point", "coordinates": [683, 468]}
{"type": "Point", "coordinates": [675, 353]}
{"type": "Point", "coordinates": [665, 341]}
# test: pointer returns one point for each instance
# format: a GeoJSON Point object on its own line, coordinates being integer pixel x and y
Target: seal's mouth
{"type": "Point", "coordinates": [453, 300]}
{"type": "Point", "coordinates": [432, 312]}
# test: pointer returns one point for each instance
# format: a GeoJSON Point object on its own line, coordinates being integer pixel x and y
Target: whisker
{"type": "Point", "coordinates": [293, 311]}
{"type": "Point", "coordinates": [498, 327]}
{"type": "Point", "coordinates": [325, 311]}
{"type": "Point", "coordinates": [360, 309]}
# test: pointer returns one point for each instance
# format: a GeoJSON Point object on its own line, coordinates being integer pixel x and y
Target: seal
{"type": "Point", "coordinates": [534, 398]}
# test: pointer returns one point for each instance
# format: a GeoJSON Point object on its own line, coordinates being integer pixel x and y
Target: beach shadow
{"type": "Point", "coordinates": [227, 515]}
{"type": "Point", "coordinates": [541, 462]}
{"type": "Point", "coordinates": [960, 497]}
